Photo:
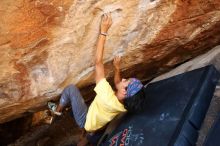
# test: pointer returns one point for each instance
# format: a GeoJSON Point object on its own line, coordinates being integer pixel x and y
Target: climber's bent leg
{"type": "Point", "coordinates": [71, 94]}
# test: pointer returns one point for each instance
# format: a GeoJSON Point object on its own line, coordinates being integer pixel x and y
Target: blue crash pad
{"type": "Point", "coordinates": [174, 112]}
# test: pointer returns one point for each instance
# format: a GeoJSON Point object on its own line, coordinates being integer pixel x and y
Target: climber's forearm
{"type": "Point", "coordinates": [100, 49]}
{"type": "Point", "coordinates": [117, 76]}
{"type": "Point", "coordinates": [99, 66]}
{"type": "Point", "coordinates": [116, 63]}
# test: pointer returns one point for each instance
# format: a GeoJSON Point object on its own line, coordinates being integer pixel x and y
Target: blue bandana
{"type": "Point", "coordinates": [134, 86]}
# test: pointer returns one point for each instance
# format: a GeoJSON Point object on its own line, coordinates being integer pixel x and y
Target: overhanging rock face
{"type": "Point", "coordinates": [46, 45]}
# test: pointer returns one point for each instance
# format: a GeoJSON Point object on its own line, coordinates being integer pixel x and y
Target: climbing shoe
{"type": "Point", "coordinates": [52, 107]}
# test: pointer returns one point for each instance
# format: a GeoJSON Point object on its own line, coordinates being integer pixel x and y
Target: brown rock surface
{"type": "Point", "coordinates": [46, 45]}
{"type": "Point", "coordinates": [212, 57]}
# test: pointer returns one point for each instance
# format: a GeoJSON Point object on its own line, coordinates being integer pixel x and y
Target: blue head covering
{"type": "Point", "coordinates": [134, 86]}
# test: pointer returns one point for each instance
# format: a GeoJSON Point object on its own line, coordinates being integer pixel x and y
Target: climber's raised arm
{"type": "Point", "coordinates": [116, 63]}
{"type": "Point", "coordinates": [99, 66]}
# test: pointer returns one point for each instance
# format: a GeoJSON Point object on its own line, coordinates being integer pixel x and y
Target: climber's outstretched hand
{"type": "Point", "coordinates": [106, 22]}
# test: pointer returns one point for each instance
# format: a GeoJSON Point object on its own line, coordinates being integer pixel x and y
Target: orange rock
{"type": "Point", "coordinates": [46, 45]}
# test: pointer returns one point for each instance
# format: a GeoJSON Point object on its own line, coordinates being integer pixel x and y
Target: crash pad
{"type": "Point", "coordinates": [174, 112]}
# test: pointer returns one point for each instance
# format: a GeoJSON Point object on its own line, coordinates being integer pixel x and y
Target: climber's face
{"type": "Point", "coordinates": [122, 89]}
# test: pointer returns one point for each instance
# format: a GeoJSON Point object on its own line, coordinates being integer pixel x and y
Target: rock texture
{"type": "Point", "coordinates": [46, 45]}
{"type": "Point", "coordinates": [212, 57]}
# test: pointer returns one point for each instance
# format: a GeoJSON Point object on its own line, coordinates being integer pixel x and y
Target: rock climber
{"type": "Point", "coordinates": [107, 104]}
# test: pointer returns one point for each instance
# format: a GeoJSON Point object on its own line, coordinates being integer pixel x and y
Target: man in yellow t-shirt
{"type": "Point", "coordinates": [129, 94]}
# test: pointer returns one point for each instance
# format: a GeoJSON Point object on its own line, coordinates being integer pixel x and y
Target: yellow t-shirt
{"type": "Point", "coordinates": [104, 107]}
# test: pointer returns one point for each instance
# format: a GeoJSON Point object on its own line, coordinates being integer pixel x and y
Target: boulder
{"type": "Point", "coordinates": [46, 45]}
{"type": "Point", "coordinates": [212, 57]}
